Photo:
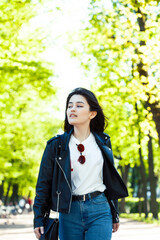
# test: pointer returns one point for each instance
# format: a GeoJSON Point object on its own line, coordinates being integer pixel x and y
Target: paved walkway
{"type": "Point", "coordinates": [20, 228]}
{"type": "Point", "coordinates": [17, 228]}
{"type": "Point", "coordinates": [132, 230]}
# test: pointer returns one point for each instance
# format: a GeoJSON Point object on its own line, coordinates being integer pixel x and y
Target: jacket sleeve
{"type": "Point", "coordinates": [113, 203]}
{"type": "Point", "coordinates": [114, 210]}
{"type": "Point", "coordinates": [43, 186]}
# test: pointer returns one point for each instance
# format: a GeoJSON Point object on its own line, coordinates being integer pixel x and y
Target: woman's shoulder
{"type": "Point", "coordinates": [103, 135]}
{"type": "Point", "coordinates": [56, 137]}
{"type": "Point", "coordinates": [52, 139]}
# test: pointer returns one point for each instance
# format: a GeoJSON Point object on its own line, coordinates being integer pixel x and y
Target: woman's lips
{"type": "Point", "coordinates": [73, 115]}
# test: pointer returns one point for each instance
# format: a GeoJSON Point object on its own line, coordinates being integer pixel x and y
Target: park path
{"type": "Point", "coordinates": [20, 228]}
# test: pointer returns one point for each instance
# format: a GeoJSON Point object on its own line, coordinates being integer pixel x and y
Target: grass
{"type": "Point", "coordinates": [141, 218]}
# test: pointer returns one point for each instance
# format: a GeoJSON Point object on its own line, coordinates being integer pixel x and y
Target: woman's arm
{"type": "Point", "coordinates": [113, 203]}
{"type": "Point", "coordinates": [43, 187]}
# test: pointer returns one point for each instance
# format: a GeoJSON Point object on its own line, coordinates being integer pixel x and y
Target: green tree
{"type": "Point", "coordinates": [27, 98]}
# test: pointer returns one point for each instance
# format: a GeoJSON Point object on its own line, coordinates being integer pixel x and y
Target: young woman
{"type": "Point", "coordinates": [77, 175]}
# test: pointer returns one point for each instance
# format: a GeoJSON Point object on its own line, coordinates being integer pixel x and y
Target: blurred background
{"type": "Point", "coordinates": [49, 47]}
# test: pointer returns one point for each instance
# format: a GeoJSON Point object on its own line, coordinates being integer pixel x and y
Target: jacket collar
{"type": "Point", "coordinates": [100, 138]}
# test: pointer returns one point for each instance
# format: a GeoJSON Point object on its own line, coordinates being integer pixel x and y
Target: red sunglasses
{"type": "Point", "coordinates": [81, 158]}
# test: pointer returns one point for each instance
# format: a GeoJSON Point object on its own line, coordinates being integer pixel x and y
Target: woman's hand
{"type": "Point", "coordinates": [38, 231]}
{"type": "Point", "coordinates": [115, 227]}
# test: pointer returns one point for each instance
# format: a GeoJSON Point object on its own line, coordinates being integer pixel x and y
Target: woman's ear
{"type": "Point", "coordinates": [93, 114]}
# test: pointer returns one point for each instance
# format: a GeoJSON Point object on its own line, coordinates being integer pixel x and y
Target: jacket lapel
{"type": "Point", "coordinates": [101, 141]}
{"type": "Point", "coordinates": [63, 158]}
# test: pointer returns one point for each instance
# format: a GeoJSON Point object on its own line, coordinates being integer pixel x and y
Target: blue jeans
{"type": "Point", "coordinates": [87, 220]}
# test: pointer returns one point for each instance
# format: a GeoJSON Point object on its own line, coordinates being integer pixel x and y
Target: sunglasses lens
{"type": "Point", "coordinates": [81, 159]}
{"type": "Point", "coordinates": [80, 147]}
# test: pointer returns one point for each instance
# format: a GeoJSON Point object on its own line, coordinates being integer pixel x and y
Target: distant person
{"type": "Point", "coordinates": [77, 175]}
{"type": "Point", "coordinates": [22, 203]}
{"type": "Point", "coordinates": [29, 201]}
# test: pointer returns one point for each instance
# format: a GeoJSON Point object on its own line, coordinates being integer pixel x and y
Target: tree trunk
{"type": "Point", "coordinates": [6, 196]}
{"type": "Point", "coordinates": [153, 179]}
{"type": "Point", "coordinates": [125, 171]}
{"type": "Point", "coordinates": [140, 196]}
{"type": "Point", "coordinates": [2, 190]}
{"type": "Point", "coordinates": [155, 107]}
{"type": "Point", "coordinates": [143, 176]}
{"type": "Point", "coordinates": [133, 181]}
{"type": "Point", "coordinates": [142, 169]}
{"type": "Point", "coordinates": [14, 197]}
{"type": "Point", "coordinates": [144, 182]}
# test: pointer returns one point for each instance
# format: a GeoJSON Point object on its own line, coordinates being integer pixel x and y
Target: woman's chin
{"type": "Point", "coordinates": [72, 123]}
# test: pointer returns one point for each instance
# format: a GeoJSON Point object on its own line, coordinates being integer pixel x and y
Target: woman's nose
{"type": "Point", "coordinates": [73, 108]}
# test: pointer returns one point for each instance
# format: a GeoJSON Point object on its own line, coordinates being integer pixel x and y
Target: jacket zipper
{"type": "Point", "coordinates": [68, 185]}
{"type": "Point", "coordinates": [58, 200]}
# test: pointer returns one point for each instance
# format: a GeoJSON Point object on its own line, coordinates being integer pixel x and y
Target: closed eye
{"type": "Point", "coordinates": [78, 106]}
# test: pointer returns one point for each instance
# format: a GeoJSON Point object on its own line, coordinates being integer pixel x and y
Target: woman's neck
{"type": "Point", "coordinates": [81, 133]}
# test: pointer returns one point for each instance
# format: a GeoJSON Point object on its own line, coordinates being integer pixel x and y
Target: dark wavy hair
{"type": "Point", "coordinates": [99, 122]}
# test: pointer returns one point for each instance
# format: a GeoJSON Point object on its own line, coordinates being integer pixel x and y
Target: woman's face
{"type": "Point", "coordinates": [78, 111]}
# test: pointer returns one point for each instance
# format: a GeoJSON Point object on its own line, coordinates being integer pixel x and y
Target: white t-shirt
{"type": "Point", "coordinates": [87, 177]}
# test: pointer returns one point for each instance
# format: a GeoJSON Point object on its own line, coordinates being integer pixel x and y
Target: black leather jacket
{"type": "Point", "coordinates": [53, 189]}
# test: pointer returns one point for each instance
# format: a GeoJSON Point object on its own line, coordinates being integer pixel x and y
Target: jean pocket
{"type": "Point", "coordinates": [101, 199]}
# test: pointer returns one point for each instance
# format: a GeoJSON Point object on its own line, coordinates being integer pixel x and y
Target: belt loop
{"type": "Point", "coordinates": [84, 197]}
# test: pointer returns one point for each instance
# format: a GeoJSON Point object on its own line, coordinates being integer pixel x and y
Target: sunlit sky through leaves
{"type": "Point", "coordinates": [71, 17]}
